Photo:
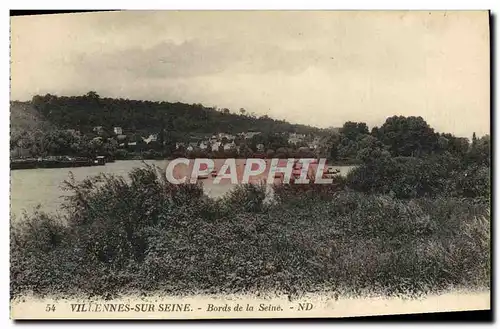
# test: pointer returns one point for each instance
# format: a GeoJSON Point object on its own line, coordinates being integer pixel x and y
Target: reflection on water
{"type": "Point", "coordinates": [32, 187]}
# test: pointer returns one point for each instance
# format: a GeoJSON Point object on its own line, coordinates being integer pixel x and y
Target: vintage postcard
{"type": "Point", "coordinates": [249, 164]}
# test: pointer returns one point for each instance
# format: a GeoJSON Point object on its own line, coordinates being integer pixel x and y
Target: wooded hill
{"type": "Point", "coordinates": [90, 110]}
{"type": "Point", "coordinates": [24, 117]}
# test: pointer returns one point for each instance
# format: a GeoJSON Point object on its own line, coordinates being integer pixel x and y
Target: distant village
{"type": "Point", "coordinates": [205, 142]}
{"type": "Point", "coordinates": [99, 145]}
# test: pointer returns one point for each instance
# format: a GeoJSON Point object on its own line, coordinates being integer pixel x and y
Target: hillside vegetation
{"type": "Point", "coordinates": [24, 117]}
{"type": "Point", "coordinates": [90, 110]}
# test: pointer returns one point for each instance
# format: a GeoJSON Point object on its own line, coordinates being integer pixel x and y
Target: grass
{"type": "Point", "coordinates": [146, 235]}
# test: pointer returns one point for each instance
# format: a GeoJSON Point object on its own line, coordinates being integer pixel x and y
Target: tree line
{"type": "Point", "coordinates": [401, 136]}
{"type": "Point", "coordinates": [398, 136]}
{"type": "Point", "coordinates": [90, 110]}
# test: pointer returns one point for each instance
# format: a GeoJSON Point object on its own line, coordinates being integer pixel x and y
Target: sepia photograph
{"type": "Point", "coordinates": [249, 164]}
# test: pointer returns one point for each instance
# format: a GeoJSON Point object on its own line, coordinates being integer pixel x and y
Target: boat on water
{"type": "Point", "coordinates": [23, 164]}
{"type": "Point", "coordinates": [55, 162]}
{"type": "Point", "coordinates": [100, 160]}
{"type": "Point", "coordinates": [330, 172]}
{"type": "Point", "coordinates": [334, 170]}
{"type": "Point", "coordinates": [63, 162]}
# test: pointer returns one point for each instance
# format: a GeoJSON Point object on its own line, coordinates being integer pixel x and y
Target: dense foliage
{"type": "Point", "coordinates": [398, 137]}
{"type": "Point", "coordinates": [90, 110]}
{"type": "Point", "coordinates": [61, 142]}
{"type": "Point", "coordinates": [143, 234]}
{"type": "Point", "coordinates": [435, 175]}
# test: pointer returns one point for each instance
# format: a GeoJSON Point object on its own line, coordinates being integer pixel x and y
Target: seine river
{"type": "Point", "coordinates": [42, 187]}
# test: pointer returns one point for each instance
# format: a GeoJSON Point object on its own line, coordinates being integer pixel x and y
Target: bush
{"type": "Point", "coordinates": [144, 234]}
{"type": "Point", "coordinates": [246, 198]}
{"type": "Point", "coordinates": [475, 181]}
{"type": "Point", "coordinates": [410, 177]}
{"type": "Point", "coordinates": [311, 191]}
{"type": "Point", "coordinates": [121, 154]}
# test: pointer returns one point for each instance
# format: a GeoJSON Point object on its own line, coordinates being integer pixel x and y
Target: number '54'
{"type": "Point", "coordinates": [50, 308]}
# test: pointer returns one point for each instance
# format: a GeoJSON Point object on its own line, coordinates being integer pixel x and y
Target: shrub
{"type": "Point", "coordinates": [246, 198]}
{"type": "Point", "coordinates": [474, 181]}
{"type": "Point", "coordinates": [410, 177]}
{"type": "Point", "coordinates": [39, 231]}
{"type": "Point", "coordinates": [144, 234]}
{"type": "Point", "coordinates": [121, 154]}
{"type": "Point", "coordinates": [311, 191]}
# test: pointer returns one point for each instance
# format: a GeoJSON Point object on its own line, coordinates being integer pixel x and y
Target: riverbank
{"type": "Point", "coordinates": [338, 163]}
{"type": "Point", "coordinates": [72, 162]}
{"type": "Point", "coordinates": [29, 188]}
{"type": "Point", "coordinates": [144, 234]}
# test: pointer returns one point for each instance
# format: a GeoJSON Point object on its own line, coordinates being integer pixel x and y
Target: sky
{"type": "Point", "coordinates": [320, 68]}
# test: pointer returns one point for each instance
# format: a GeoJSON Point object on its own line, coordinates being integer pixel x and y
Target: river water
{"type": "Point", "coordinates": [42, 187]}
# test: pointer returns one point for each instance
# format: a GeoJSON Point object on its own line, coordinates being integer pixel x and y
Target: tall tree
{"type": "Point", "coordinates": [353, 130]}
{"type": "Point", "coordinates": [474, 139]}
{"type": "Point", "coordinates": [408, 136]}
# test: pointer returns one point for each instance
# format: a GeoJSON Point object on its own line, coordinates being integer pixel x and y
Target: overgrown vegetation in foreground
{"type": "Point", "coordinates": [145, 235]}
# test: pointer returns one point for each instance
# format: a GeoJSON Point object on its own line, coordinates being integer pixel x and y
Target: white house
{"type": "Point", "coordinates": [215, 146]}
{"type": "Point", "coordinates": [151, 138]}
{"type": "Point", "coordinates": [192, 146]}
{"type": "Point", "coordinates": [295, 138]}
{"type": "Point", "coordinates": [229, 146]}
{"type": "Point", "coordinates": [227, 136]}
{"type": "Point", "coordinates": [118, 130]}
{"type": "Point", "coordinates": [204, 145]}
{"type": "Point", "coordinates": [315, 143]}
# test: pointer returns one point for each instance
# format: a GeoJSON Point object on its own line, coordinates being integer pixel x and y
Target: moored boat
{"type": "Point", "coordinates": [100, 160]}
{"type": "Point", "coordinates": [50, 162]}
{"type": "Point", "coordinates": [330, 172]}
{"type": "Point", "coordinates": [23, 164]}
